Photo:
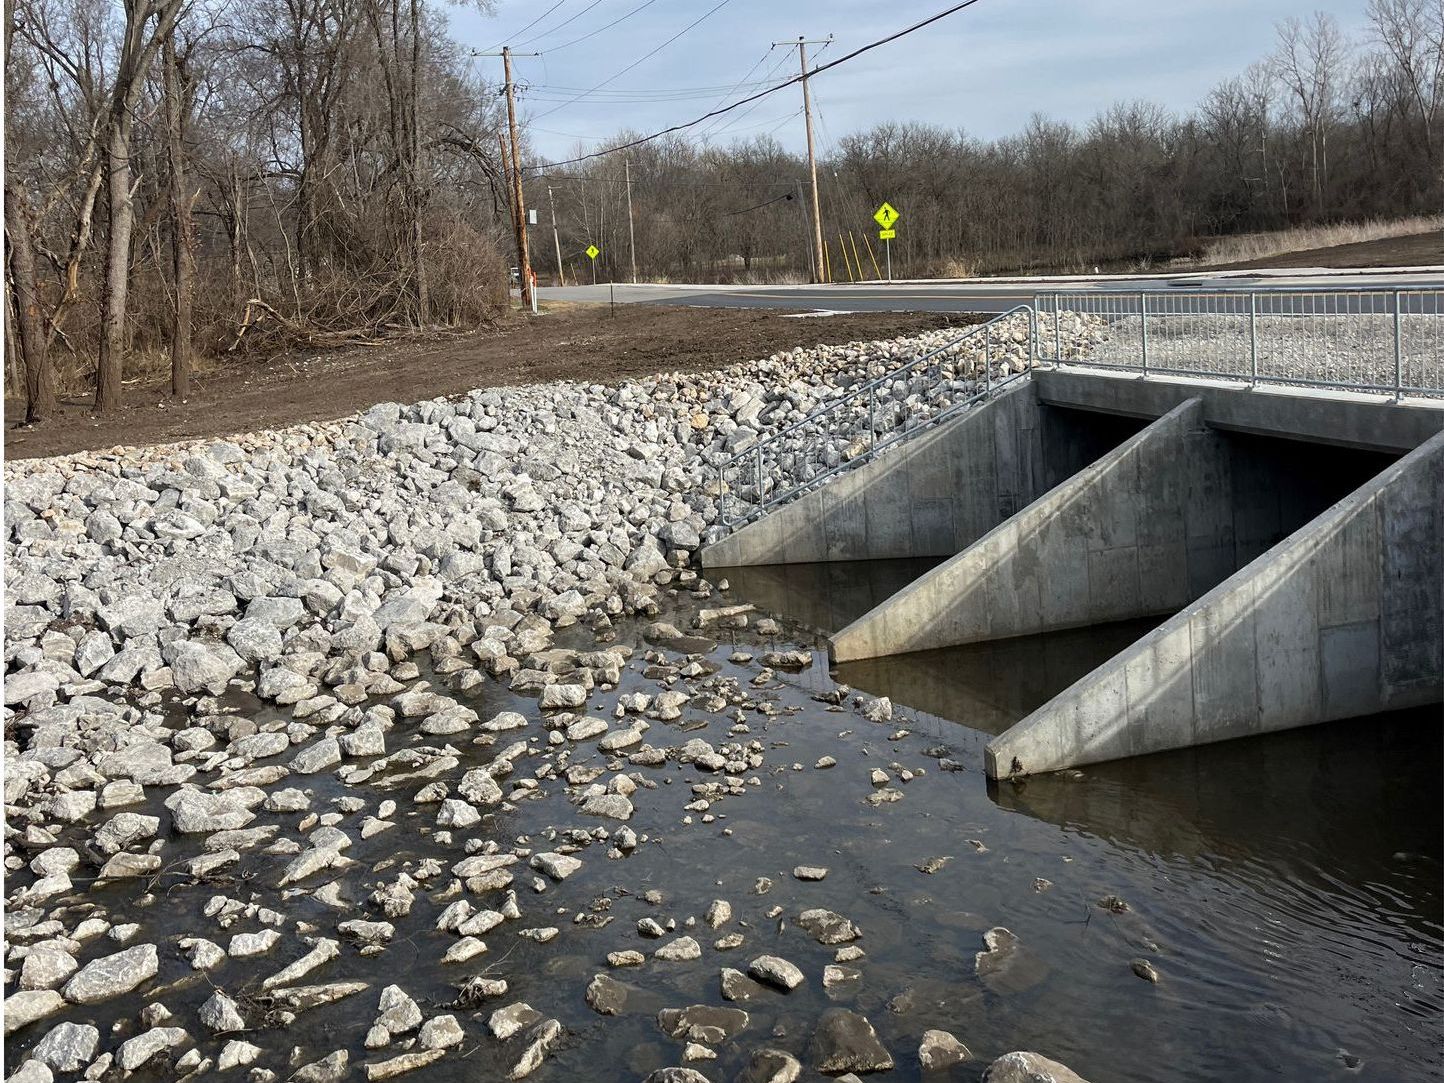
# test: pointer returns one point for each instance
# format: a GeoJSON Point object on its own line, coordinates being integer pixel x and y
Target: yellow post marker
{"type": "Point", "coordinates": [846, 261]}
{"type": "Point", "coordinates": [861, 274]}
{"type": "Point", "coordinates": [876, 273]}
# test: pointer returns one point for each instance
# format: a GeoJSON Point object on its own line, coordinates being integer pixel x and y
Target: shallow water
{"type": "Point", "coordinates": [1287, 889]}
{"type": "Point", "coordinates": [1293, 882]}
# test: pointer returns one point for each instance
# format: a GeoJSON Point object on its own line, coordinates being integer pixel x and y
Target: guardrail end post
{"type": "Point", "coordinates": [1143, 328]}
{"type": "Point", "coordinates": [1398, 347]}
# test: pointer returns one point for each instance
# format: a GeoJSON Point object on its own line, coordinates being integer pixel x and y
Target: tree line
{"type": "Point", "coordinates": [1324, 129]}
{"type": "Point", "coordinates": [200, 178]}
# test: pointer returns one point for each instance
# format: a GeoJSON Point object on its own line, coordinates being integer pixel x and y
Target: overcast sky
{"type": "Point", "coordinates": [985, 69]}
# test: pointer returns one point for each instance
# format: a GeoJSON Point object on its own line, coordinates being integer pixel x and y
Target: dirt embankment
{"type": "Point", "coordinates": [567, 343]}
{"type": "Point", "coordinates": [1418, 250]}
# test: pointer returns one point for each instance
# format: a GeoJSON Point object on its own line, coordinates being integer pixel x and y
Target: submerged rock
{"type": "Point", "coordinates": [101, 979]}
{"type": "Point", "coordinates": [1025, 1067]}
{"type": "Point", "coordinates": [844, 1041]}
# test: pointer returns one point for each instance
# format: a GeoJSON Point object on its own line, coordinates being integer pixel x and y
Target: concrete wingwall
{"type": "Point", "coordinates": [1343, 618]}
{"type": "Point", "coordinates": [1137, 533]}
{"type": "Point", "coordinates": [933, 495]}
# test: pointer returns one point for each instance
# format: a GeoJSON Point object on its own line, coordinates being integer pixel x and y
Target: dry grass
{"type": "Point", "coordinates": [1252, 246]}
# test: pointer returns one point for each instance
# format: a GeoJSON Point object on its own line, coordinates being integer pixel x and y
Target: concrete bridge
{"type": "Point", "coordinates": [1290, 542]}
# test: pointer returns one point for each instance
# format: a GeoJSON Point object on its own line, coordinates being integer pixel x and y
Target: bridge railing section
{"type": "Point", "coordinates": [1372, 340]}
{"type": "Point", "coordinates": [871, 417]}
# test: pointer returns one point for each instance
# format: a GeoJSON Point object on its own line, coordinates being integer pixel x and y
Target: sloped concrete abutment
{"type": "Point", "coordinates": [1292, 541]}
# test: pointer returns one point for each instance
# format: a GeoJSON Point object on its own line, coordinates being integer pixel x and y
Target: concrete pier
{"type": "Point", "coordinates": [933, 495]}
{"type": "Point", "coordinates": [1291, 538]}
{"type": "Point", "coordinates": [1344, 618]}
{"type": "Point", "coordinates": [1141, 532]}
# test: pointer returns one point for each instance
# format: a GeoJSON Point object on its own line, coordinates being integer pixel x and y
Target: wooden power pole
{"type": "Point", "coordinates": [556, 239]}
{"type": "Point", "coordinates": [802, 44]}
{"type": "Point", "coordinates": [631, 222]}
{"type": "Point", "coordinates": [518, 202]}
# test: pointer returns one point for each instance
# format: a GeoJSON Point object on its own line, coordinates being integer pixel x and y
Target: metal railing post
{"type": "Point", "coordinates": [722, 495]}
{"type": "Point", "coordinates": [1057, 357]}
{"type": "Point", "coordinates": [871, 419]}
{"type": "Point", "coordinates": [1398, 347]}
{"type": "Point", "coordinates": [1143, 327]}
{"type": "Point", "coordinates": [1253, 340]}
{"type": "Point", "coordinates": [988, 361]}
{"type": "Point", "coordinates": [1032, 337]}
{"type": "Point", "coordinates": [760, 498]}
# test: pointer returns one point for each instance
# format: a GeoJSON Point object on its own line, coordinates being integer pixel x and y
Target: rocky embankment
{"type": "Point", "coordinates": [214, 677]}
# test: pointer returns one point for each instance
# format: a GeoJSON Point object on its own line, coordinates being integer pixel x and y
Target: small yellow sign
{"type": "Point", "coordinates": [886, 234]}
{"type": "Point", "coordinates": [886, 215]}
{"type": "Point", "coordinates": [593, 251]}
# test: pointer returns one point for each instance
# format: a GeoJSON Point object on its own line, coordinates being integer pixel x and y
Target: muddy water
{"type": "Point", "coordinates": [1292, 883]}
{"type": "Point", "coordinates": [1287, 890]}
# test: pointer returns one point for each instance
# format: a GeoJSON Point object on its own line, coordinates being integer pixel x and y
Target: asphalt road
{"type": "Point", "coordinates": [985, 296]}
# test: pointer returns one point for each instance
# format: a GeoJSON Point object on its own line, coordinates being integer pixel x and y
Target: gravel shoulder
{"type": "Point", "coordinates": [570, 342]}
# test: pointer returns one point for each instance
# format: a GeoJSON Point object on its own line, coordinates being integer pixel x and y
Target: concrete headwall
{"type": "Point", "coordinates": [935, 494]}
{"type": "Point", "coordinates": [1137, 533]}
{"type": "Point", "coordinates": [1343, 618]}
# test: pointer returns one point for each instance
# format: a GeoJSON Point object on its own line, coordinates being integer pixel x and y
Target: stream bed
{"type": "Point", "coordinates": [1284, 890]}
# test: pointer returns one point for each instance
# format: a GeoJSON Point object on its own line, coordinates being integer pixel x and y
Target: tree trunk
{"type": "Point", "coordinates": [182, 231]}
{"type": "Point", "coordinates": [110, 367]}
{"type": "Point", "coordinates": [39, 380]}
{"type": "Point", "coordinates": [416, 197]}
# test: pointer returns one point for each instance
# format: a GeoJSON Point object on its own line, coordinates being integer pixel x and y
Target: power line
{"type": "Point", "coordinates": [738, 85]}
{"type": "Point", "coordinates": [598, 30]}
{"type": "Point", "coordinates": [758, 206]}
{"type": "Point", "coordinates": [710, 12]}
{"type": "Point", "coordinates": [528, 26]}
{"type": "Point", "coordinates": [771, 90]}
{"type": "Point", "coordinates": [718, 126]}
{"type": "Point", "coordinates": [564, 22]}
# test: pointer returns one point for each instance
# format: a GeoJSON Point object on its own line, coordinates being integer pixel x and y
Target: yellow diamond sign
{"type": "Point", "coordinates": [593, 251]}
{"type": "Point", "coordinates": [886, 215]}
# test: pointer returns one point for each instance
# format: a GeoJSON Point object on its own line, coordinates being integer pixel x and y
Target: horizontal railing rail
{"type": "Point", "coordinates": [876, 415]}
{"type": "Point", "coordinates": [1357, 338]}
{"type": "Point", "coordinates": [1351, 338]}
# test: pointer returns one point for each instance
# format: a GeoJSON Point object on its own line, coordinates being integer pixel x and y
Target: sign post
{"type": "Point", "coordinates": [592, 253]}
{"type": "Point", "coordinates": [886, 216]}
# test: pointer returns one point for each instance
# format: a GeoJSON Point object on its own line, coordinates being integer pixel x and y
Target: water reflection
{"type": "Point", "coordinates": [989, 686]}
{"type": "Point", "coordinates": [824, 598]}
{"type": "Point", "coordinates": [1288, 886]}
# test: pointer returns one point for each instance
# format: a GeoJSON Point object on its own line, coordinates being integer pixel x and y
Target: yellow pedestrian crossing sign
{"type": "Point", "coordinates": [886, 234]}
{"type": "Point", "coordinates": [886, 215]}
{"type": "Point", "coordinates": [593, 251]}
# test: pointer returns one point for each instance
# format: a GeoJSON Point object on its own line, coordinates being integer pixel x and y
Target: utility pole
{"type": "Point", "coordinates": [518, 203]}
{"type": "Point", "coordinates": [802, 44]}
{"type": "Point", "coordinates": [556, 240]}
{"type": "Point", "coordinates": [631, 225]}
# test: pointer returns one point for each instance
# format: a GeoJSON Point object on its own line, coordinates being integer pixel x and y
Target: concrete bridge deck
{"type": "Point", "coordinates": [1292, 539]}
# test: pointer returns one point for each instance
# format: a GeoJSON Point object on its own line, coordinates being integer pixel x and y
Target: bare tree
{"type": "Point", "coordinates": [182, 226]}
{"type": "Point", "coordinates": [1309, 61]}
{"type": "Point", "coordinates": [148, 25]}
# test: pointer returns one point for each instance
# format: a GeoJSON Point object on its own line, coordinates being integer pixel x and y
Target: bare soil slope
{"type": "Point", "coordinates": [1418, 250]}
{"type": "Point", "coordinates": [567, 343]}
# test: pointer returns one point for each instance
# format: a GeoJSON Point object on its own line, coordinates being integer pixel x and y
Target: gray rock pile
{"type": "Point", "coordinates": [147, 590]}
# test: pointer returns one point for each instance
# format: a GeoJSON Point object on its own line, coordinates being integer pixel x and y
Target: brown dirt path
{"type": "Point", "coordinates": [572, 342]}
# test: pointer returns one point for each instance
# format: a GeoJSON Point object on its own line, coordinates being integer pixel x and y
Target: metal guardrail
{"type": "Point", "coordinates": [1374, 340]}
{"type": "Point", "coordinates": [866, 420]}
{"type": "Point", "coordinates": [1351, 339]}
